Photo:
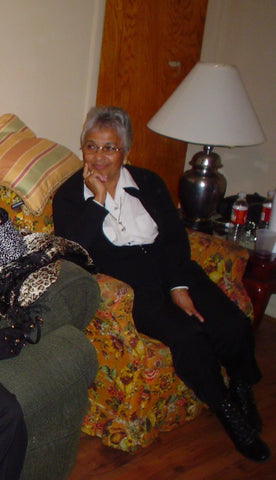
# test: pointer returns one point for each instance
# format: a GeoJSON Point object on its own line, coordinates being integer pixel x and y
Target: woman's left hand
{"type": "Point", "coordinates": [182, 299]}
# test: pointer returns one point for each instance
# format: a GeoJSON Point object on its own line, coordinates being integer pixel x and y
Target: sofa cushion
{"type": "Point", "coordinates": [225, 263]}
{"type": "Point", "coordinates": [32, 167]}
{"type": "Point", "coordinates": [22, 218]}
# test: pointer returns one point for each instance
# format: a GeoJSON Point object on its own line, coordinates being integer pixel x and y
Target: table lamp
{"type": "Point", "coordinates": [210, 107]}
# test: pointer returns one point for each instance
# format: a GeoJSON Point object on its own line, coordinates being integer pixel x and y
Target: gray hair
{"type": "Point", "coordinates": [109, 117]}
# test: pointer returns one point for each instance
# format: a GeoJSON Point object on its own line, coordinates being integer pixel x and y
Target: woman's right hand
{"type": "Point", "coordinates": [95, 181]}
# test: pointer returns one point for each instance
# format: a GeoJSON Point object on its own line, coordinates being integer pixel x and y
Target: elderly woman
{"type": "Point", "coordinates": [125, 218]}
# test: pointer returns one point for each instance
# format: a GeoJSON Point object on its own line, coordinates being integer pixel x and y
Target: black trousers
{"type": "Point", "coordinates": [199, 349]}
{"type": "Point", "coordinates": [13, 436]}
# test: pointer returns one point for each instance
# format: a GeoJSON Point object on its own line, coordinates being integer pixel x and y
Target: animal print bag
{"type": "Point", "coordinates": [28, 266]}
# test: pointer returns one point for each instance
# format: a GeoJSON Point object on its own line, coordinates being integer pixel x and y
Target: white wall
{"type": "Point", "coordinates": [243, 33]}
{"type": "Point", "coordinates": [50, 52]}
{"type": "Point", "coordinates": [49, 69]}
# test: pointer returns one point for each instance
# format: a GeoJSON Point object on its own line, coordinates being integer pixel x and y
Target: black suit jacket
{"type": "Point", "coordinates": [167, 261]}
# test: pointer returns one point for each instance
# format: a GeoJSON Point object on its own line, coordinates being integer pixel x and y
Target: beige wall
{"type": "Point", "coordinates": [243, 33]}
{"type": "Point", "coordinates": [49, 67]}
{"type": "Point", "coordinates": [50, 53]}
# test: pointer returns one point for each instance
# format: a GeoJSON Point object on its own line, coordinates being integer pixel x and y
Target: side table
{"type": "Point", "coordinates": [260, 282]}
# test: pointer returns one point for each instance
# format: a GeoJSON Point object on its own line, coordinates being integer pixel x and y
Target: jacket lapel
{"type": "Point", "coordinates": [146, 202]}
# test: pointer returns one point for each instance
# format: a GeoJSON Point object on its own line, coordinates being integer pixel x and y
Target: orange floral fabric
{"type": "Point", "coordinates": [136, 393]}
{"type": "Point", "coordinates": [22, 218]}
{"type": "Point", "coordinates": [225, 263]}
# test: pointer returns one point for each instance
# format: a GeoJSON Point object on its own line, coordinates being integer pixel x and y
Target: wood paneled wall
{"type": "Point", "coordinates": [148, 47]}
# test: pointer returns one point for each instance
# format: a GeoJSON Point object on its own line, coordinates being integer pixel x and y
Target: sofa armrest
{"type": "Point", "coordinates": [113, 326]}
{"type": "Point", "coordinates": [50, 380]}
{"type": "Point", "coordinates": [72, 299]}
{"type": "Point", "coordinates": [122, 355]}
{"type": "Point", "coordinates": [225, 263]}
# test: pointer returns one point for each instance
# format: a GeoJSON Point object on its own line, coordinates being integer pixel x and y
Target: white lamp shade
{"type": "Point", "coordinates": [210, 107]}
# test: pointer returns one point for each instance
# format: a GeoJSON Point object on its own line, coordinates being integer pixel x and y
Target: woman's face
{"type": "Point", "coordinates": [106, 160]}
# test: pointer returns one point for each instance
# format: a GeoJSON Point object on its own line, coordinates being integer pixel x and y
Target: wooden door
{"type": "Point", "coordinates": [148, 47]}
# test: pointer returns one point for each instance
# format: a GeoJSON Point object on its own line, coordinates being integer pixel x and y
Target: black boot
{"type": "Point", "coordinates": [242, 395]}
{"type": "Point", "coordinates": [245, 439]}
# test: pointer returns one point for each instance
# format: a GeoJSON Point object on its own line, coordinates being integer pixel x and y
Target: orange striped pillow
{"type": "Point", "coordinates": [32, 167]}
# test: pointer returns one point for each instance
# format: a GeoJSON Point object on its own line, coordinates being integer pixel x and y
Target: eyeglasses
{"type": "Point", "coordinates": [91, 148]}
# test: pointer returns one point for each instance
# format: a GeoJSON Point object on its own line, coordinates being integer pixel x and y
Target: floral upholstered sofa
{"type": "Point", "coordinates": [136, 393]}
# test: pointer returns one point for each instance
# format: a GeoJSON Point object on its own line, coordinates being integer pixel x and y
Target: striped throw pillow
{"type": "Point", "coordinates": [32, 167]}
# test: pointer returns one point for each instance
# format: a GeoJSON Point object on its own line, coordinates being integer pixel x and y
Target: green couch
{"type": "Point", "coordinates": [50, 379]}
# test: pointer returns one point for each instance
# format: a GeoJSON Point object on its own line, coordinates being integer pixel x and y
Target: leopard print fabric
{"type": "Point", "coordinates": [45, 252]}
{"type": "Point", "coordinates": [11, 241]}
{"type": "Point", "coordinates": [38, 282]}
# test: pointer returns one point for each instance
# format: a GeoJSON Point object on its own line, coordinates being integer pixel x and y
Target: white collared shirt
{"type": "Point", "coordinates": [128, 222]}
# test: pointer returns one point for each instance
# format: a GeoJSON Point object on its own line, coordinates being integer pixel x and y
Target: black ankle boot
{"type": "Point", "coordinates": [242, 395]}
{"type": "Point", "coordinates": [245, 439]}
